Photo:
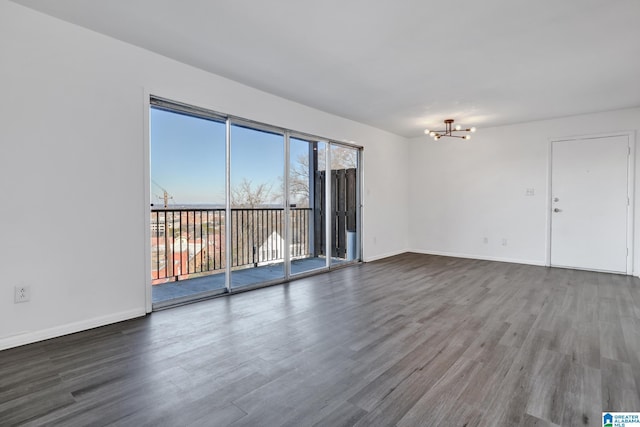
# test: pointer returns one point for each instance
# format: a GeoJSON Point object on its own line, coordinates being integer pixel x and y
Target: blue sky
{"type": "Point", "coordinates": [188, 158]}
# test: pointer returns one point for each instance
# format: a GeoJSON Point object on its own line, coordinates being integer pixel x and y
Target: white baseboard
{"type": "Point", "coordinates": [69, 328]}
{"type": "Point", "coordinates": [385, 255]}
{"type": "Point", "coordinates": [481, 257]}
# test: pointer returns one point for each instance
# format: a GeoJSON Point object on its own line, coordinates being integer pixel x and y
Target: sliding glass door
{"type": "Point", "coordinates": [188, 202]}
{"type": "Point", "coordinates": [237, 204]}
{"type": "Point", "coordinates": [257, 206]}
{"type": "Point", "coordinates": [345, 206]}
{"type": "Point", "coordinates": [307, 219]}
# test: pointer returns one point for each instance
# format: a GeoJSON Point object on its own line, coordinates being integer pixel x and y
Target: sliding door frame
{"type": "Point", "coordinates": [153, 101]}
{"type": "Point", "coordinates": [359, 151]}
{"type": "Point", "coordinates": [287, 206]}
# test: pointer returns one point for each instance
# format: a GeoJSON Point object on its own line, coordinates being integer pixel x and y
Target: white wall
{"type": "Point", "coordinates": [463, 191]}
{"type": "Point", "coordinates": [73, 199]}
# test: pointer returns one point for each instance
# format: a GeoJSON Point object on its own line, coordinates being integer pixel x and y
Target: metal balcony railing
{"type": "Point", "coordinates": [191, 242]}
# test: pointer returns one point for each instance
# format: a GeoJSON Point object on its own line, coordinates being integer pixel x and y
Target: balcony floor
{"type": "Point", "coordinates": [167, 293]}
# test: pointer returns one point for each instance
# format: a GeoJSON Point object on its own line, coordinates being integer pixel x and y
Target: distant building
{"type": "Point", "coordinates": [272, 249]}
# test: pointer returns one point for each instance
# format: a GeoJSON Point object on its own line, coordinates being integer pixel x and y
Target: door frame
{"type": "Point", "coordinates": [630, 189]}
{"type": "Point", "coordinates": [229, 119]}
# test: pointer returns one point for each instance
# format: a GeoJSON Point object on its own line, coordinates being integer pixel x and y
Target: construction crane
{"type": "Point", "coordinates": [165, 196]}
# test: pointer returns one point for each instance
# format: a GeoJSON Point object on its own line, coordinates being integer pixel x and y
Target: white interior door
{"type": "Point", "coordinates": [589, 180]}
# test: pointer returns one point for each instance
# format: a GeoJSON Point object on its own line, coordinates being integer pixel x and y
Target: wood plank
{"type": "Point", "coordinates": [407, 340]}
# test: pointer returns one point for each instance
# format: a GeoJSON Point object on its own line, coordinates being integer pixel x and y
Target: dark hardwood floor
{"type": "Point", "coordinates": [409, 340]}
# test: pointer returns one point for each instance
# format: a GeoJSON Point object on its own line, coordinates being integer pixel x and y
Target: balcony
{"type": "Point", "coordinates": [188, 248]}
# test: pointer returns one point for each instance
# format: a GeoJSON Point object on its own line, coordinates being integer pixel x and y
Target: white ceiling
{"type": "Point", "coordinates": [399, 65]}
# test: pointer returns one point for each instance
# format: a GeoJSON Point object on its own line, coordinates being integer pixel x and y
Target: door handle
{"type": "Point", "coordinates": [556, 210]}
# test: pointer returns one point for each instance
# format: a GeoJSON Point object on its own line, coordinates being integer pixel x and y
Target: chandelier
{"type": "Point", "coordinates": [449, 130]}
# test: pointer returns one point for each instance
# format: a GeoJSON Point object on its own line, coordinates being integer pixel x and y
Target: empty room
{"type": "Point", "coordinates": [244, 213]}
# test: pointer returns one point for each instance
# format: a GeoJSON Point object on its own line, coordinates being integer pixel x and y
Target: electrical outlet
{"type": "Point", "coordinates": [22, 294]}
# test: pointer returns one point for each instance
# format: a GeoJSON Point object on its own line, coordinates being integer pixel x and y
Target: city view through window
{"type": "Point", "coordinates": [189, 218]}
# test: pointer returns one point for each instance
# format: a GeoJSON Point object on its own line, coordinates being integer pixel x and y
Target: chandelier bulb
{"type": "Point", "coordinates": [432, 133]}
{"type": "Point", "coordinates": [473, 129]}
{"type": "Point", "coordinates": [426, 131]}
{"type": "Point", "coordinates": [467, 137]}
{"type": "Point", "coordinates": [458, 127]}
